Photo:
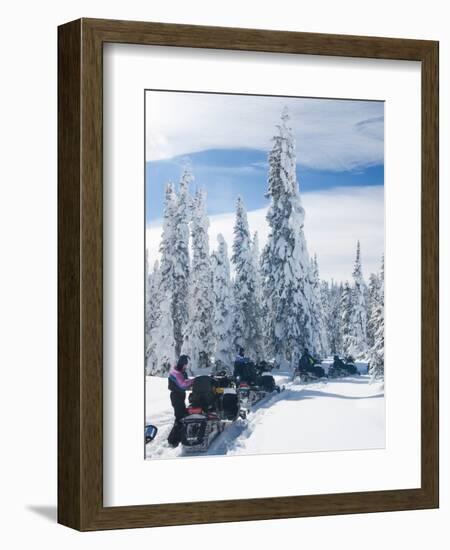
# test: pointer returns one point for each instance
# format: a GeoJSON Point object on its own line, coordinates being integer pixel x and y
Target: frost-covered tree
{"type": "Point", "coordinates": [222, 304]}
{"type": "Point", "coordinates": [152, 316]}
{"type": "Point", "coordinates": [334, 319]}
{"type": "Point", "coordinates": [247, 326]}
{"type": "Point", "coordinates": [181, 270]}
{"type": "Point", "coordinates": [166, 246]}
{"type": "Point", "coordinates": [285, 262]}
{"type": "Point", "coordinates": [198, 340]}
{"type": "Point", "coordinates": [257, 265]}
{"type": "Point", "coordinates": [160, 352]}
{"type": "Point", "coordinates": [372, 304]}
{"type": "Point", "coordinates": [326, 307]}
{"type": "Point", "coordinates": [318, 325]}
{"type": "Point", "coordinates": [376, 353]}
{"type": "Point", "coordinates": [260, 340]}
{"type": "Point", "coordinates": [346, 307]}
{"type": "Point", "coordinates": [359, 315]}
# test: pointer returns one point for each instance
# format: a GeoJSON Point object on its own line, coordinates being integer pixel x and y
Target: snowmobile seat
{"type": "Point", "coordinates": [319, 372]}
{"type": "Point", "coordinates": [230, 405]}
{"type": "Point", "coordinates": [267, 382]}
{"type": "Point", "coordinates": [203, 392]}
{"type": "Point", "coordinates": [248, 374]}
{"type": "Point", "coordinates": [351, 369]}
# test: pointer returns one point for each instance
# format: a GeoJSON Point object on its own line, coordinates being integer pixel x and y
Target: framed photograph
{"type": "Point", "coordinates": [248, 274]}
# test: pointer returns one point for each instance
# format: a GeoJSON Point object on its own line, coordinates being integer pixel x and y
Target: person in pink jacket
{"type": "Point", "coordinates": [178, 383]}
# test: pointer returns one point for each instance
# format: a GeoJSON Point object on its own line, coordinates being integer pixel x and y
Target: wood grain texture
{"type": "Point", "coordinates": [69, 243]}
{"type": "Point", "coordinates": [80, 265]}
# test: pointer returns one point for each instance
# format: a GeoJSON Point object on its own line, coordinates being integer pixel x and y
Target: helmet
{"type": "Point", "coordinates": [182, 362]}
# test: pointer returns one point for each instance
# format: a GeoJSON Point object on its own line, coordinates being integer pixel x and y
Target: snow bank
{"type": "Point", "coordinates": [345, 414]}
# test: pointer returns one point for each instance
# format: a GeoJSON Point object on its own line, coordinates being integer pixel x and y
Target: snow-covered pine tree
{"type": "Point", "coordinates": [372, 303]}
{"type": "Point", "coordinates": [152, 317]}
{"type": "Point", "coordinates": [346, 307]}
{"type": "Point", "coordinates": [247, 327]}
{"type": "Point", "coordinates": [319, 332]}
{"type": "Point", "coordinates": [198, 339]}
{"type": "Point", "coordinates": [180, 305]}
{"type": "Point", "coordinates": [260, 340]}
{"type": "Point", "coordinates": [160, 353]}
{"type": "Point", "coordinates": [334, 321]}
{"type": "Point", "coordinates": [285, 262]}
{"type": "Point", "coordinates": [223, 304]}
{"type": "Point", "coordinates": [167, 265]}
{"type": "Point", "coordinates": [257, 265]}
{"type": "Point", "coordinates": [376, 353]}
{"type": "Point", "coordinates": [148, 281]}
{"type": "Point", "coordinates": [359, 316]}
{"type": "Point", "coordinates": [326, 307]}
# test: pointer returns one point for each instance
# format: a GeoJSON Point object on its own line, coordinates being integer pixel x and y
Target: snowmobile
{"type": "Point", "coordinates": [346, 369]}
{"type": "Point", "coordinates": [256, 382]}
{"type": "Point", "coordinates": [315, 373]}
{"type": "Point", "coordinates": [213, 404]}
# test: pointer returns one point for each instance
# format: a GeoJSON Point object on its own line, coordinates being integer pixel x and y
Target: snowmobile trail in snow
{"type": "Point", "coordinates": [340, 414]}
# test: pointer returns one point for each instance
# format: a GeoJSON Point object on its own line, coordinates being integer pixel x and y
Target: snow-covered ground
{"type": "Point", "coordinates": [344, 414]}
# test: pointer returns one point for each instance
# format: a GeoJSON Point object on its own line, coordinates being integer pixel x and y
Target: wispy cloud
{"type": "Point", "coordinates": [331, 134]}
{"type": "Point", "coordinates": [335, 220]}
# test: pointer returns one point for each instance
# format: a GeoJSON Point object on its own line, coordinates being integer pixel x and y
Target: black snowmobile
{"type": "Point", "coordinates": [309, 373]}
{"type": "Point", "coordinates": [255, 382]}
{"type": "Point", "coordinates": [213, 403]}
{"type": "Point", "coordinates": [339, 369]}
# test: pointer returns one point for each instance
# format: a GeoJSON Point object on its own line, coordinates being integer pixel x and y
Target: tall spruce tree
{"type": "Point", "coordinates": [285, 262]}
{"type": "Point", "coordinates": [260, 349]}
{"type": "Point", "coordinates": [359, 315]}
{"type": "Point", "coordinates": [247, 315]}
{"type": "Point", "coordinates": [318, 324]}
{"type": "Point", "coordinates": [376, 353]}
{"type": "Point", "coordinates": [160, 352]}
{"type": "Point", "coordinates": [372, 304]}
{"type": "Point", "coordinates": [346, 307]}
{"type": "Point", "coordinates": [334, 319]}
{"type": "Point", "coordinates": [198, 341]}
{"type": "Point", "coordinates": [181, 271]}
{"type": "Point", "coordinates": [222, 304]}
{"type": "Point", "coordinates": [325, 291]}
{"type": "Point", "coordinates": [152, 317]}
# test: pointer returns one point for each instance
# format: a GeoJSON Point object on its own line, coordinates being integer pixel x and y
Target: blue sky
{"type": "Point", "coordinates": [226, 173]}
{"type": "Point", "coordinates": [226, 139]}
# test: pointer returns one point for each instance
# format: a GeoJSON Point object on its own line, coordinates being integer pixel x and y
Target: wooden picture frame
{"type": "Point", "coordinates": [80, 272]}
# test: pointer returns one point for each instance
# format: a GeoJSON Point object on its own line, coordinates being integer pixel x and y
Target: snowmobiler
{"type": "Point", "coordinates": [240, 365]}
{"type": "Point", "coordinates": [266, 380]}
{"type": "Point", "coordinates": [214, 403]}
{"type": "Point", "coordinates": [308, 369]}
{"type": "Point", "coordinates": [340, 369]}
{"type": "Point", "coordinates": [255, 381]}
{"type": "Point", "coordinates": [178, 383]}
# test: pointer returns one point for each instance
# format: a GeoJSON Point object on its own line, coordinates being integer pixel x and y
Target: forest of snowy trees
{"type": "Point", "coordinates": [271, 302]}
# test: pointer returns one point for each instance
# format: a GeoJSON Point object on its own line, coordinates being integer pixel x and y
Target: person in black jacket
{"type": "Point", "coordinates": [306, 362]}
{"type": "Point", "coordinates": [239, 365]}
{"type": "Point", "coordinates": [178, 383]}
